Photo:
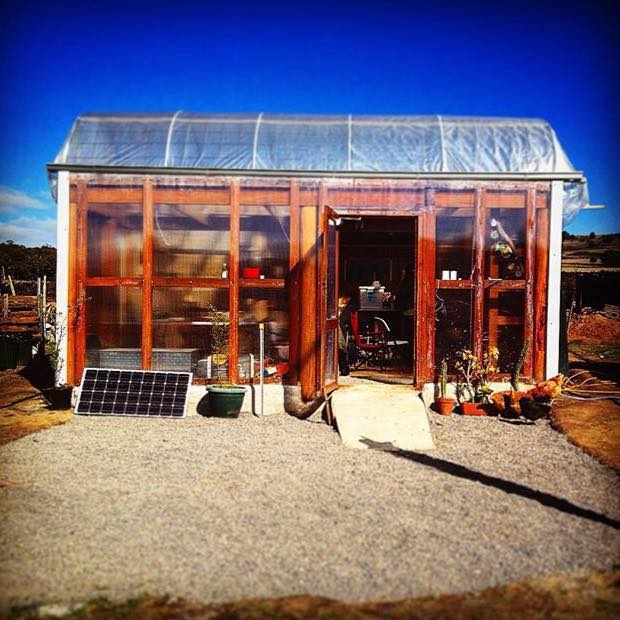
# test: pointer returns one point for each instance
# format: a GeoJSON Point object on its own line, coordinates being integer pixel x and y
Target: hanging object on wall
{"type": "Point", "coordinates": [505, 248]}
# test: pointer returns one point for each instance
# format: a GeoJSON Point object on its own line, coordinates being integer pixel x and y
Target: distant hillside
{"type": "Point", "coordinates": [590, 252]}
{"type": "Point", "coordinates": [24, 263]}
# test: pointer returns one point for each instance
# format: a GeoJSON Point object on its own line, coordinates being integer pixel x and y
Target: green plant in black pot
{"type": "Point", "coordinates": [59, 395]}
{"type": "Point", "coordinates": [223, 399]}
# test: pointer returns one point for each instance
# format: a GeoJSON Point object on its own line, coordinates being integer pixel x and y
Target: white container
{"type": "Point", "coordinates": [453, 275]}
{"type": "Point", "coordinates": [445, 274]}
{"type": "Point", "coordinates": [371, 298]}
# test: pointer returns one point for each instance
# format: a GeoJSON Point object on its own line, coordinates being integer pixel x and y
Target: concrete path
{"type": "Point", "coordinates": [382, 416]}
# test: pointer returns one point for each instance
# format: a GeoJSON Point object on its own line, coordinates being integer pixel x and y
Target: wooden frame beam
{"type": "Point", "coordinates": [147, 273]}
{"type": "Point", "coordinates": [530, 274]}
{"type": "Point", "coordinates": [233, 274]}
{"type": "Point", "coordinates": [480, 219]}
{"type": "Point", "coordinates": [81, 271]}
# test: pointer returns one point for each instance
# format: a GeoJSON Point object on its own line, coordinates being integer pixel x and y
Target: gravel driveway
{"type": "Point", "coordinates": [220, 509]}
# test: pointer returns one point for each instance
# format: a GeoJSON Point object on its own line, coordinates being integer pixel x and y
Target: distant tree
{"type": "Point", "coordinates": [24, 263]}
{"type": "Point", "coordinates": [566, 236]}
{"type": "Point", "coordinates": [592, 235]}
{"type": "Point", "coordinates": [611, 258]}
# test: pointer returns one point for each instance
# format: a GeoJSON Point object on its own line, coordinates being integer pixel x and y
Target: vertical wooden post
{"type": "Point", "coordinates": [81, 305]}
{"type": "Point", "coordinates": [293, 286]}
{"type": "Point", "coordinates": [308, 306]}
{"type": "Point", "coordinates": [530, 264]}
{"type": "Point", "coordinates": [478, 271]}
{"type": "Point", "coordinates": [425, 298]}
{"type": "Point", "coordinates": [147, 273]}
{"type": "Point", "coordinates": [321, 287]}
{"type": "Point", "coordinates": [72, 310]}
{"type": "Point", "coordinates": [44, 309]}
{"type": "Point", "coordinates": [233, 299]}
{"type": "Point", "coordinates": [539, 343]}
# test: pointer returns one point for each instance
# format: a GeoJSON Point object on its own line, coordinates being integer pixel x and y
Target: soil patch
{"type": "Point", "coordinates": [594, 327]}
{"type": "Point", "coordinates": [592, 425]}
{"type": "Point", "coordinates": [23, 410]}
{"type": "Point", "coordinates": [584, 596]}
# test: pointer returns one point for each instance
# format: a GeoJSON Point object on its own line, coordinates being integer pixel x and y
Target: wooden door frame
{"type": "Point", "coordinates": [327, 323]}
{"type": "Point", "coordinates": [423, 293]}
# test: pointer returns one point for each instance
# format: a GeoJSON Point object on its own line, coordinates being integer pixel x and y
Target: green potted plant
{"type": "Point", "coordinates": [443, 403]}
{"type": "Point", "coordinates": [59, 394]}
{"type": "Point", "coordinates": [508, 402]}
{"type": "Point", "coordinates": [223, 399]}
{"type": "Point", "coordinates": [473, 390]}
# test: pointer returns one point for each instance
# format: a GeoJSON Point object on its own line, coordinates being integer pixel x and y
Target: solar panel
{"type": "Point", "coordinates": [143, 393]}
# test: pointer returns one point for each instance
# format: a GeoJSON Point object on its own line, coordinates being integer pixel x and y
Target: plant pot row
{"type": "Point", "coordinates": [446, 406]}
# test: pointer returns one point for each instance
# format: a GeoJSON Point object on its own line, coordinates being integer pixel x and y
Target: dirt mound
{"type": "Point", "coordinates": [594, 327]}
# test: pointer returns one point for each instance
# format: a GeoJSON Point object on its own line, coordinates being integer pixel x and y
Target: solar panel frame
{"type": "Point", "coordinates": [121, 393]}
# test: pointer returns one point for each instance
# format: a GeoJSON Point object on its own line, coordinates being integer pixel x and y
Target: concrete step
{"type": "Point", "coordinates": [389, 417]}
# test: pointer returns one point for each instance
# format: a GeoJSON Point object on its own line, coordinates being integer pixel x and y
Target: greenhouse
{"type": "Point", "coordinates": [447, 229]}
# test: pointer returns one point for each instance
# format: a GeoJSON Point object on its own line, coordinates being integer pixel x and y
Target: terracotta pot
{"type": "Point", "coordinates": [476, 409]}
{"type": "Point", "coordinates": [444, 406]}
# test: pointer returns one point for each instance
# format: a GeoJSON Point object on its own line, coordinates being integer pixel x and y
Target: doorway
{"type": "Point", "coordinates": [377, 297]}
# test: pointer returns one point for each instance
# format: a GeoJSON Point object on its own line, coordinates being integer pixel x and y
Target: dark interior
{"type": "Point", "coordinates": [379, 249]}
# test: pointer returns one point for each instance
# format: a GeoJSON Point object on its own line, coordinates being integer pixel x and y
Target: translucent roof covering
{"type": "Point", "coordinates": [303, 143]}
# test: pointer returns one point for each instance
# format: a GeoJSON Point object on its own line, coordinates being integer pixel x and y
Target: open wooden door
{"type": "Point", "coordinates": [329, 298]}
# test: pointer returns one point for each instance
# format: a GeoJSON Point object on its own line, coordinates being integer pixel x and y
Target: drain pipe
{"type": "Point", "coordinates": [296, 406]}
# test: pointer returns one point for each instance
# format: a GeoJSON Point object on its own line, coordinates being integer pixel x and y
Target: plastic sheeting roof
{"type": "Point", "coordinates": [304, 143]}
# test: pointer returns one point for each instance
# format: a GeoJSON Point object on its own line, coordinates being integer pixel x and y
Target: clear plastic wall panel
{"type": "Point", "coordinates": [113, 327]}
{"type": "Point", "coordinates": [505, 256]}
{"type": "Point", "coordinates": [191, 331]}
{"type": "Point", "coordinates": [216, 142]}
{"type": "Point", "coordinates": [118, 140]}
{"type": "Point", "coordinates": [453, 325]}
{"type": "Point", "coordinates": [114, 245]}
{"type": "Point", "coordinates": [264, 243]}
{"type": "Point", "coordinates": [395, 144]}
{"type": "Point", "coordinates": [191, 240]}
{"type": "Point", "coordinates": [296, 144]}
{"type": "Point", "coordinates": [454, 245]}
{"type": "Point", "coordinates": [331, 359]}
{"type": "Point", "coordinates": [332, 293]}
{"type": "Point", "coordinates": [268, 306]}
{"type": "Point", "coordinates": [504, 325]}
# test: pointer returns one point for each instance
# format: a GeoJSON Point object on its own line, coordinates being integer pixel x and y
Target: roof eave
{"type": "Point", "coordinates": [575, 175]}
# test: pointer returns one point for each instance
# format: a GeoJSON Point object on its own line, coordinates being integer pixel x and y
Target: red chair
{"type": "Point", "coordinates": [370, 347]}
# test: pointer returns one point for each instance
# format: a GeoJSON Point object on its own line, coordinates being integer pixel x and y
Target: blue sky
{"type": "Point", "coordinates": [58, 59]}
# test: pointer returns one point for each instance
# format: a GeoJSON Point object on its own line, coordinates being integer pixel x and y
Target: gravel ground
{"type": "Point", "coordinates": [215, 510]}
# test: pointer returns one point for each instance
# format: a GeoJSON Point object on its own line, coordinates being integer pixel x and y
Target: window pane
{"type": "Point", "coordinates": [114, 245]}
{"type": "Point", "coordinates": [113, 327]}
{"type": "Point", "coordinates": [330, 355]}
{"type": "Point", "coordinates": [505, 244]}
{"type": "Point", "coordinates": [268, 306]}
{"type": "Point", "coordinates": [453, 325]}
{"type": "Point", "coordinates": [185, 331]}
{"type": "Point", "coordinates": [455, 233]}
{"type": "Point", "coordinates": [264, 242]}
{"type": "Point", "coordinates": [332, 293]}
{"type": "Point", "coordinates": [191, 241]}
{"type": "Point", "coordinates": [504, 325]}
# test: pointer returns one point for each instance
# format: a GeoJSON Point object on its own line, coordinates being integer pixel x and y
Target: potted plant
{"type": "Point", "coordinates": [473, 390]}
{"type": "Point", "coordinates": [444, 404]}
{"type": "Point", "coordinates": [536, 403]}
{"type": "Point", "coordinates": [223, 399]}
{"type": "Point", "coordinates": [59, 394]}
{"type": "Point", "coordinates": [508, 402]}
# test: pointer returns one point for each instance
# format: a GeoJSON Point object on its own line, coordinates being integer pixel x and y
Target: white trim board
{"type": "Point", "coordinates": [62, 268]}
{"type": "Point", "coordinates": [554, 282]}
